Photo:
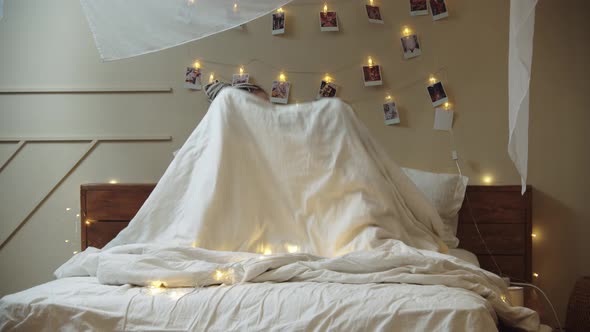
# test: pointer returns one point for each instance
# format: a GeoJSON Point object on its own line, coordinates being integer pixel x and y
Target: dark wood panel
{"type": "Point", "coordinates": [120, 204]}
{"type": "Point", "coordinates": [495, 204]}
{"type": "Point", "coordinates": [100, 233]}
{"type": "Point", "coordinates": [511, 266]}
{"type": "Point", "coordinates": [506, 239]}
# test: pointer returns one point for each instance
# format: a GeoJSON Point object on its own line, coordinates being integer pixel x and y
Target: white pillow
{"type": "Point", "coordinates": [446, 192]}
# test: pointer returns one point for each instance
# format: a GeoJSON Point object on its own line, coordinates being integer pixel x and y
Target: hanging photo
{"type": "Point", "coordinates": [372, 75]}
{"type": "Point", "coordinates": [438, 9]}
{"type": "Point", "coordinates": [374, 14]}
{"type": "Point", "coordinates": [390, 113]}
{"type": "Point", "coordinates": [411, 46]}
{"type": "Point", "coordinates": [443, 119]}
{"type": "Point", "coordinates": [437, 94]}
{"type": "Point", "coordinates": [192, 78]}
{"type": "Point", "coordinates": [280, 92]}
{"type": "Point", "coordinates": [328, 21]}
{"type": "Point", "coordinates": [240, 78]}
{"type": "Point", "coordinates": [327, 90]}
{"type": "Point", "coordinates": [278, 23]}
{"type": "Point", "coordinates": [418, 7]}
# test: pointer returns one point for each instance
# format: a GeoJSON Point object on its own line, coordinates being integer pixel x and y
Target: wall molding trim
{"type": "Point", "coordinates": [93, 142]}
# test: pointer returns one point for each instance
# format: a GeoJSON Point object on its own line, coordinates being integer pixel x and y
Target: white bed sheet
{"type": "Point", "coordinates": [465, 255]}
{"type": "Point", "coordinates": [82, 303]}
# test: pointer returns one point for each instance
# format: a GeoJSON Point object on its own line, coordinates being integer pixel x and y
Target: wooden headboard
{"type": "Point", "coordinates": [502, 214]}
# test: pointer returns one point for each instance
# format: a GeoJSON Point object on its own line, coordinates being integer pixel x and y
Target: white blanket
{"type": "Point", "coordinates": [394, 262]}
{"type": "Point", "coordinates": [258, 177]}
{"type": "Point", "coordinates": [306, 179]}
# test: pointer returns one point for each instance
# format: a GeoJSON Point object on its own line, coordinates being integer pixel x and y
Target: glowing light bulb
{"type": "Point", "coordinates": [87, 222]}
{"type": "Point", "coordinates": [406, 31]}
{"type": "Point", "coordinates": [388, 98]}
{"type": "Point", "coordinates": [267, 251]}
{"type": "Point", "coordinates": [211, 78]}
{"type": "Point", "coordinates": [219, 275]}
{"type": "Point", "coordinates": [280, 10]}
{"type": "Point", "coordinates": [291, 248]}
{"type": "Point", "coordinates": [487, 179]}
{"type": "Point", "coordinates": [371, 2]}
{"type": "Point", "coordinates": [197, 65]}
{"type": "Point", "coordinates": [78, 215]}
{"type": "Point", "coordinates": [432, 79]}
{"type": "Point", "coordinates": [113, 181]}
{"type": "Point", "coordinates": [282, 77]}
{"type": "Point", "coordinates": [503, 298]}
{"type": "Point", "coordinates": [535, 274]}
{"type": "Point", "coordinates": [68, 209]}
{"type": "Point", "coordinates": [325, 7]}
{"type": "Point", "coordinates": [534, 235]}
{"type": "Point", "coordinates": [241, 70]}
{"type": "Point", "coordinates": [370, 62]}
{"type": "Point", "coordinates": [327, 78]}
{"type": "Point", "coordinates": [235, 7]}
{"type": "Point", "coordinates": [75, 252]}
{"type": "Point", "coordinates": [447, 106]}
{"type": "Point", "coordinates": [67, 241]}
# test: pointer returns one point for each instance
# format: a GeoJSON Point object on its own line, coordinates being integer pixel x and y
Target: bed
{"type": "Point", "coordinates": [504, 218]}
{"type": "Point", "coordinates": [289, 218]}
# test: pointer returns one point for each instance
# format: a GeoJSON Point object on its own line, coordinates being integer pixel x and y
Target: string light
{"type": "Point", "coordinates": [388, 98]}
{"type": "Point", "coordinates": [87, 222]}
{"type": "Point", "coordinates": [235, 7]}
{"type": "Point", "coordinates": [211, 78]}
{"type": "Point", "coordinates": [370, 62]}
{"type": "Point", "coordinates": [325, 8]}
{"type": "Point", "coordinates": [534, 235]}
{"type": "Point", "coordinates": [432, 79]}
{"type": "Point", "coordinates": [371, 2]}
{"type": "Point", "coordinates": [67, 241]}
{"type": "Point", "coordinates": [487, 179]}
{"type": "Point", "coordinates": [267, 251]}
{"type": "Point", "coordinates": [447, 106]}
{"type": "Point", "coordinates": [242, 70]}
{"type": "Point", "coordinates": [280, 10]}
{"type": "Point", "coordinates": [406, 31]}
{"type": "Point", "coordinates": [327, 78]}
{"type": "Point", "coordinates": [68, 209]}
{"type": "Point", "coordinates": [503, 298]}
{"type": "Point", "coordinates": [282, 77]}
{"type": "Point", "coordinates": [78, 215]}
{"type": "Point", "coordinates": [535, 274]}
{"type": "Point", "coordinates": [113, 181]}
{"type": "Point", "coordinates": [75, 252]}
{"type": "Point", "coordinates": [291, 248]}
{"type": "Point", "coordinates": [197, 65]}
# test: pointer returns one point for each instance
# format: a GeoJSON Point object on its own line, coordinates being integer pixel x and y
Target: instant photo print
{"type": "Point", "coordinates": [438, 9]}
{"type": "Point", "coordinates": [278, 23]}
{"type": "Point", "coordinates": [390, 113]}
{"type": "Point", "coordinates": [280, 92]}
{"type": "Point", "coordinates": [411, 46]}
{"type": "Point", "coordinates": [418, 7]}
{"type": "Point", "coordinates": [192, 78]}
{"type": "Point", "coordinates": [374, 14]}
{"type": "Point", "coordinates": [372, 75]}
{"type": "Point", "coordinates": [329, 21]}
{"type": "Point", "coordinates": [327, 90]}
{"type": "Point", "coordinates": [437, 94]}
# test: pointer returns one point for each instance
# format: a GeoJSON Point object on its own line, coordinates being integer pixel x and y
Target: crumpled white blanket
{"type": "Point", "coordinates": [394, 262]}
{"type": "Point", "coordinates": [258, 177]}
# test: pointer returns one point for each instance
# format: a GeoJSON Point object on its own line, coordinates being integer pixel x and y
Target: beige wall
{"type": "Point", "coordinates": [48, 44]}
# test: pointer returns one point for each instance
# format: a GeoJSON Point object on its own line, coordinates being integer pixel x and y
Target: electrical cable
{"type": "Point", "coordinates": [546, 299]}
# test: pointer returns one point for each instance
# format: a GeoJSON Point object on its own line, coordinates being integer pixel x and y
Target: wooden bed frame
{"type": "Point", "coordinates": [502, 214]}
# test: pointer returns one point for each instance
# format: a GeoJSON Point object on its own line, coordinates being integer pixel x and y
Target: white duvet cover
{"type": "Point", "coordinates": [83, 304]}
{"type": "Point", "coordinates": [303, 182]}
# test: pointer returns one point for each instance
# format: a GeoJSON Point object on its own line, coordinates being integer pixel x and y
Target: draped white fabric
{"type": "Point", "coordinates": [522, 28]}
{"type": "Point", "coordinates": [127, 28]}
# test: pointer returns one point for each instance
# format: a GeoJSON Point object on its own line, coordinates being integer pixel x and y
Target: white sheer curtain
{"type": "Point", "coordinates": [522, 28]}
{"type": "Point", "coordinates": [127, 28]}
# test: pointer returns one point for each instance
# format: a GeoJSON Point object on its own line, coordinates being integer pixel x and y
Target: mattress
{"type": "Point", "coordinates": [81, 303]}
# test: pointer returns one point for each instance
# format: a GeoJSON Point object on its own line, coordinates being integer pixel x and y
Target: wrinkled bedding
{"type": "Point", "coordinates": [274, 218]}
